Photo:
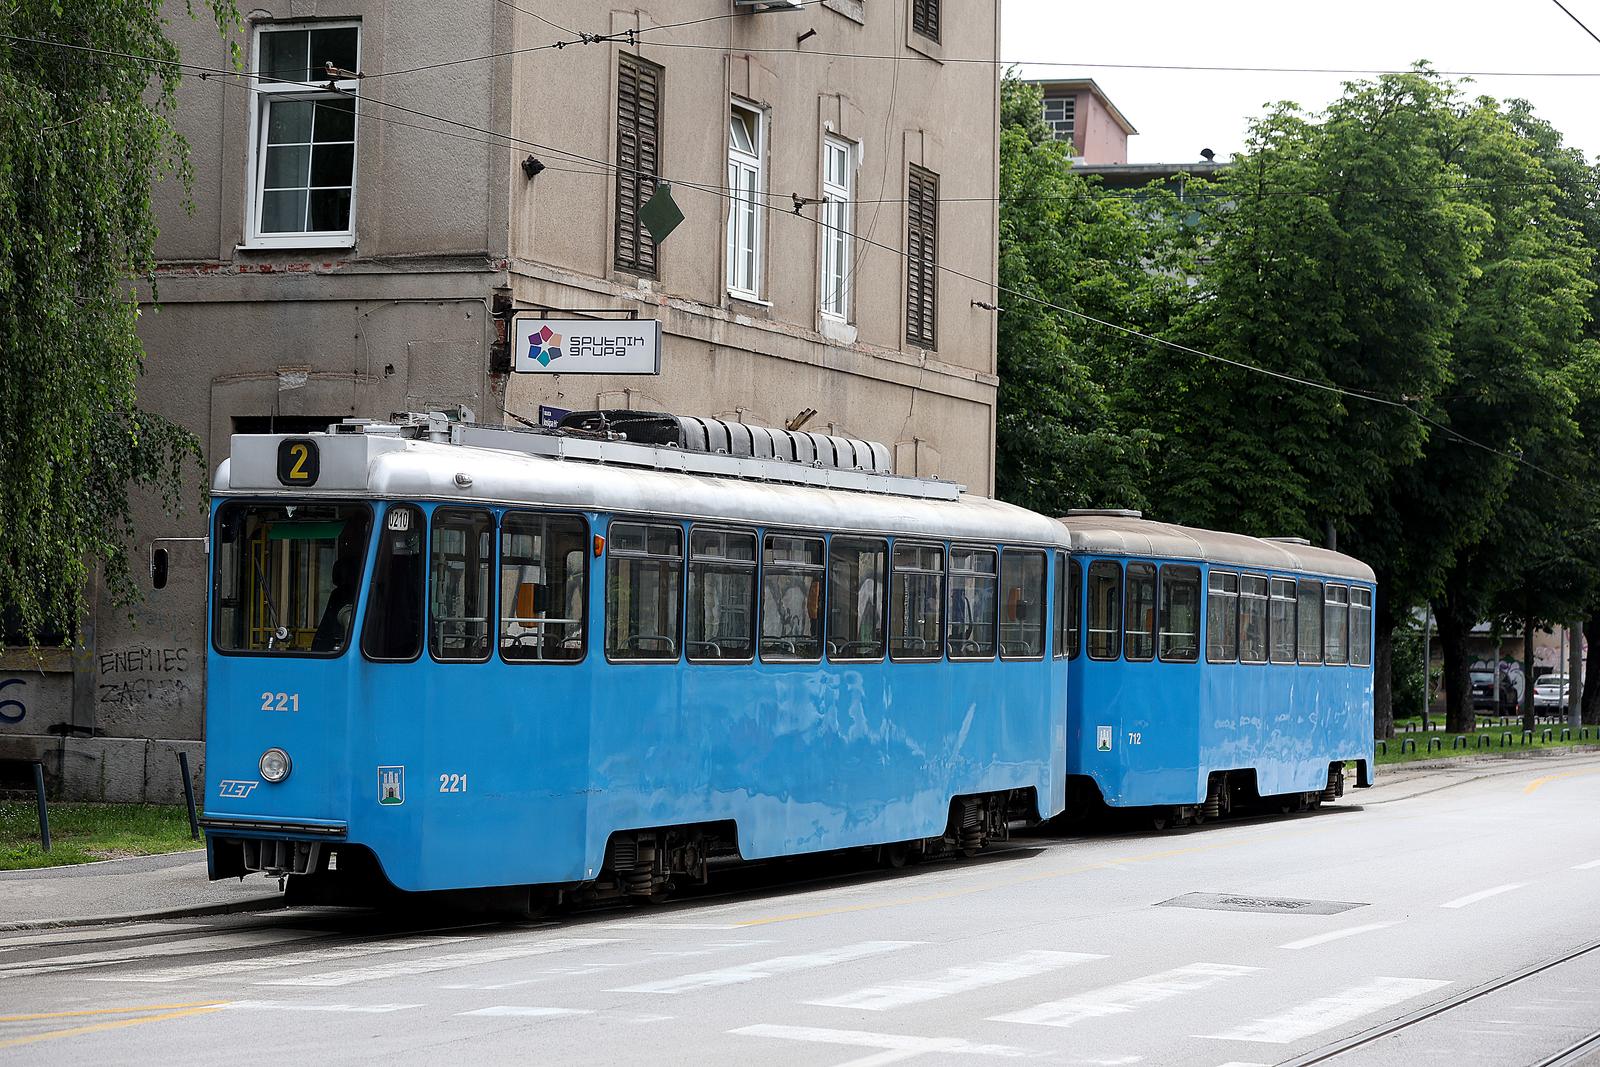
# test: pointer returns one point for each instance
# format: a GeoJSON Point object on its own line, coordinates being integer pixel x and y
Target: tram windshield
{"type": "Point", "coordinates": [287, 576]}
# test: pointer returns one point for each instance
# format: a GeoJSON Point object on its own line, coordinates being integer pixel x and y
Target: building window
{"type": "Point", "coordinates": [925, 18]}
{"type": "Point", "coordinates": [838, 189]}
{"type": "Point", "coordinates": [303, 171]}
{"type": "Point", "coordinates": [1059, 112]}
{"type": "Point", "coordinates": [922, 257]}
{"type": "Point", "coordinates": [638, 158]}
{"type": "Point", "coordinates": [744, 203]}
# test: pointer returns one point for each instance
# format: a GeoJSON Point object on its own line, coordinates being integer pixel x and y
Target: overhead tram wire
{"type": "Point", "coordinates": [1576, 19]}
{"type": "Point", "coordinates": [726, 194]}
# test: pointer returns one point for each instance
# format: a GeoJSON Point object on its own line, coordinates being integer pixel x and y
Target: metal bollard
{"type": "Point", "coordinates": [1409, 745]}
{"type": "Point", "coordinates": [1505, 739]}
{"type": "Point", "coordinates": [1435, 742]}
{"type": "Point", "coordinates": [1546, 735]}
{"type": "Point", "coordinates": [188, 794]}
{"type": "Point", "coordinates": [1458, 741]}
{"type": "Point", "coordinates": [1484, 740]}
{"type": "Point", "coordinates": [44, 816]}
{"type": "Point", "coordinates": [1566, 733]}
{"type": "Point", "coordinates": [1383, 747]}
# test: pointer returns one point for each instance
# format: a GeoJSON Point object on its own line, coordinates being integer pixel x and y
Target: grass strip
{"type": "Point", "coordinates": [83, 833]}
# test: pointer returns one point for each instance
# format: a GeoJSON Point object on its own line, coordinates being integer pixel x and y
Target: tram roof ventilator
{"type": "Point", "coordinates": [680, 443]}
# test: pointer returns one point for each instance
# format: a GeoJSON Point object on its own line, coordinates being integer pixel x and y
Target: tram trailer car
{"type": "Point", "coordinates": [458, 658]}
{"type": "Point", "coordinates": [1210, 669]}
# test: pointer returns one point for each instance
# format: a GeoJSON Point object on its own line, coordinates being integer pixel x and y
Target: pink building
{"type": "Point", "coordinates": [1078, 111]}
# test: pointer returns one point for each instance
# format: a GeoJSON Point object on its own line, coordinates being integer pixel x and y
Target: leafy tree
{"type": "Point", "coordinates": [84, 132]}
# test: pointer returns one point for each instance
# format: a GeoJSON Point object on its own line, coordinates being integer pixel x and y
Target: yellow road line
{"type": "Point", "coordinates": [1537, 782]}
{"type": "Point", "coordinates": [114, 1024]}
{"type": "Point", "coordinates": [1006, 884]}
{"type": "Point", "coordinates": [109, 1011]}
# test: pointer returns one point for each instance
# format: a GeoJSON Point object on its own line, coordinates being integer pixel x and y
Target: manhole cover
{"type": "Point", "coordinates": [1246, 902]}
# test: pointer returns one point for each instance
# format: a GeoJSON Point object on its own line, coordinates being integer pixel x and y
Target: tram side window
{"type": "Point", "coordinates": [1022, 605]}
{"type": "Point", "coordinates": [542, 594]}
{"type": "Point", "coordinates": [916, 602]}
{"type": "Point", "coordinates": [1180, 614]}
{"type": "Point", "coordinates": [1074, 607]}
{"type": "Point", "coordinates": [644, 576]}
{"type": "Point", "coordinates": [459, 587]}
{"type": "Point", "coordinates": [1141, 613]}
{"type": "Point", "coordinates": [287, 576]}
{"type": "Point", "coordinates": [1222, 617]}
{"type": "Point", "coordinates": [1310, 622]}
{"type": "Point", "coordinates": [1360, 626]}
{"type": "Point", "coordinates": [791, 598]}
{"type": "Point", "coordinates": [393, 630]}
{"type": "Point", "coordinates": [972, 603]}
{"type": "Point", "coordinates": [721, 616]}
{"type": "Point", "coordinates": [1252, 618]}
{"type": "Point", "coordinates": [1105, 609]}
{"type": "Point", "coordinates": [1336, 624]}
{"type": "Point", "coordinates": [1281, 626]}
{"type": "Point", "coordinates": [857, 570]}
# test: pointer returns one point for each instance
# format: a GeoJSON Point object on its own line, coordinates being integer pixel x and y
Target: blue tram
{"type": "Point", "coordinates": [456, 657]}
{"type": "Point", "coordinates": [1207, 668]}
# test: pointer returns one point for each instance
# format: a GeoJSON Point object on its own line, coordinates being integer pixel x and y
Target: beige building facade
{"type": "Point", "coordinates": [395, 183]}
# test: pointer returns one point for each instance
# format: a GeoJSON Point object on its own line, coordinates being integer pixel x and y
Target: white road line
{"type": "Point", "coordinates": [896, 1046]}
{"type": "Point", "coordinates": [544, 975]}
{"type": "Point", "coordinates": [670, 926]}
{"type": "Point", "coordinates": [289, 1005]}
{"type": "Point", "coordinates": [1325, 1013]}
{"type": "Point", "coordinates": [960, 979]}
{"type": "Point", "coordinates": [1126, 996]}
{"type": "Point", "coordinates": [710, 948]}
{"type": "Point", "coordinates": [1482, 894]}
{"type": "Point", "coordinates": [748, 972]}
{"type": "Point", "coordinates": [447, 962]}
{"type": "Point", "coordinates": [1335, 935]}
{"type": "Point", "coordinates": [520, 1011]}
{"type": "Point", "coordinates": [1591, 865]}
{"type": "Point", "coordinates": [228, 968]}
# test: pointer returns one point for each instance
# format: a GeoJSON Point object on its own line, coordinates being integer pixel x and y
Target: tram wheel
{"type": "Point", "coordinates": [1160, 820]}
{"type": "Point", "coordinates": [894, 856]}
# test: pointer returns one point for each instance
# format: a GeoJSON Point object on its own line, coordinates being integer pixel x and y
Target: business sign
{"type": "Point", "coordinates": [586, 346]}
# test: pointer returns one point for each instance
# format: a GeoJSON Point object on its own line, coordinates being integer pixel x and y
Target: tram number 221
{"type": "Point", "coordinates": [280, 701]}
{"type": "Point", "coordinates": [452, 783]}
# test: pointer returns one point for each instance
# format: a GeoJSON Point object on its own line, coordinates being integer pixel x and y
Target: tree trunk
{"type": "Point", "coordinates": [1383, 684]}
{"type": "Point", "coordinates": [1527, 674]}
{"type": "Point", "coordinates": [1458, 715]}
{"type": "Point", "coordinates": [1591, 672]}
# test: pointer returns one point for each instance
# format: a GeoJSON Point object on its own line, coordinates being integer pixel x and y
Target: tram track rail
{"type": "Point", "coordinates": [1571, 1055]}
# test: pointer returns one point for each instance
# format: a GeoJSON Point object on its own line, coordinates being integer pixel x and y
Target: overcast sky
{"type": "Point", "coordinates": [1177, 113]}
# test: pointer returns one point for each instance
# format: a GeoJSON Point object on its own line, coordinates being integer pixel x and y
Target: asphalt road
{"type": "Point", "coordinates": [1379, 930]}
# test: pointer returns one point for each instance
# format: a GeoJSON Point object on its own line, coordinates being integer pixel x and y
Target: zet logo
{"type": "Point", "coordinates": [544, 345]}
{"type": "Point", "coordinates": [236, 788]}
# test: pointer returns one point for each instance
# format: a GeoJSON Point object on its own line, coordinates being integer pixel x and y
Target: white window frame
{"type": "Point", "coordinates": [262, 95]}
{"type": "Point", "coordinates": [745, 236]}
{"type": "Point", "coordinates": [837, 216]}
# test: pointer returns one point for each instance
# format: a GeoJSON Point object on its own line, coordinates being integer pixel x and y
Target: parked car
{"type": "Point", "coordinates": [1491, 699]}
{"type": "Point", "coordinates": [1550, 693]}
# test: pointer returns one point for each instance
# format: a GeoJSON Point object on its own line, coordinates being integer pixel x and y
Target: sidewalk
{"type": "Point", "coordinates": [142, 887]}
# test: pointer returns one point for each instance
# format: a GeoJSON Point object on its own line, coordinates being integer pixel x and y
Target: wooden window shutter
{"type": "Point", "coordinates": [922, 257]}
{"type": "Point", "coordinates": [925, 18]}
{"type": "Point", "coordinates": [638, 159]}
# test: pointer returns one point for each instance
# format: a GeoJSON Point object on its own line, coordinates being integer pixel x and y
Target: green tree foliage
{"type": "Point", "coordinates": [83, 135]}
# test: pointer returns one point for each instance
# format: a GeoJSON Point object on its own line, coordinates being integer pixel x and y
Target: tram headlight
{"type": "Point", "coordinates": [275, 764]}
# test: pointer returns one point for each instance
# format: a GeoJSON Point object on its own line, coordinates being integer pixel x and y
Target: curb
{"type": "Point", "coordinates": [231, 908]}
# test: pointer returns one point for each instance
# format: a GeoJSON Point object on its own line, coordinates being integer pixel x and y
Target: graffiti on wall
{"type": "Point", "coordinates": [13, 708]}
{"type": "Point", "coordinates": [130, 678]}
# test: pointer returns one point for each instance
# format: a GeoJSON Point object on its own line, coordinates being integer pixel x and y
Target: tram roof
{"type": "Point", "coordinates": [405, 469]}
{"type": "Point", "coordinates": [1129, 535]}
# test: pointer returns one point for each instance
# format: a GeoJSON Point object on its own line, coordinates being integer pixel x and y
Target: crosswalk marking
{"type": "Point", "coordinates": [229, 968]}
{"type": "Point", "coordinates": [1335, 935]}
{"type": "Point", "coordinates": [521, 1011]}
{"type": "Point", "coordinates": [1482, 894]}
{"type": "Point", "coordinates": [449, 961]}
{"type": "Point", "coordinates": [766, 968]}
{"type": "Point", "coordinates": [1126, 996]}
{"type": "Point", "coordinates": [895, 1046]}
{"type": "Point", "coordinates": [544, 974]}
{"type": "Point", "coordinates": [964, 978]}
{"type": "Point", "coordinates": [139, 952]}
{"type": "Point", "coordinates": [288, 1005]}
{"type": "Point", "coordinates": [1324, 1013]}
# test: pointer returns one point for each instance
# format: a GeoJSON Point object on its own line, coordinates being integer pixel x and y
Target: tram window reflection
{"type": "Point", "coordinates": [1252, 618]}
{"type": "Point", "coordinates": [1105, 609]}
{"type": "Point", "coordinates": [916, 602]}
{"type": "Point", "coordinates": [1141, 612]}
{"type": "Point", "coordinates": [972, 603]}
{"type": "Point", "coordinates": [1336, 624]}
{"type": "Point", "coordinates": [721, 616]}
{"type": "Point", "coordinates": [644, 578]}
{"type": "Point", "coordinates": [542, 597]}
{"type": "Point", "coordinates": [791, 598]}
{"type": "Point", "coordinates": [1310, 622]}
{"type": "Point", "coordinates": [393, 630]}
{"type": "Point", "coordinates": [460, 588]}
{"type": "Point", "coordinates": [1360, 627]}
{"type": "Point", "coordinates": [1180, 614]}
{"type": "Point", "coordinates": [1222, 617]}
{"type": "Point", "coordinates": [1281, 620]}
{"type": "Point", "coordinates": [857, 569]}
{"type": "Point", "coordinates": [1022, 604]}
